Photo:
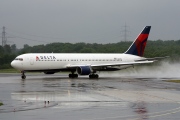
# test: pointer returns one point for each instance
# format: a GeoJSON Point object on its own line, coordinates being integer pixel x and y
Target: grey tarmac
{"type": "Point", "coordinates": [52, 97]}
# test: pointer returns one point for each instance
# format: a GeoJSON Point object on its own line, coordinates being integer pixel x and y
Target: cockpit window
{"type": "Point", "coordinates": [19, 59]}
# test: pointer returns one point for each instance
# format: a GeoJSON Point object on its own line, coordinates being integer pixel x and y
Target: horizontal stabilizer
{"type": "Point", "coordinates": [152, 59]}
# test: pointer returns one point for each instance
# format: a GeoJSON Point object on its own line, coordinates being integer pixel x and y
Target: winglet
{"type": "Point", "coordinates": [138, 46]}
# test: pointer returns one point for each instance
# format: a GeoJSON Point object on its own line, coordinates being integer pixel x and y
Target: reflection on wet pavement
{"type": "Point", "coordinates": [84, 99]}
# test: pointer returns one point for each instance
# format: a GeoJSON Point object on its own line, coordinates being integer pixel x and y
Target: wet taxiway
{"type": "Point", "coordinates": [108, 98]}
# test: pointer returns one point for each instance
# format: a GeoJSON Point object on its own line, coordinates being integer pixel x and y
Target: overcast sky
{"type": "Point", "coordinates": [37, 22]}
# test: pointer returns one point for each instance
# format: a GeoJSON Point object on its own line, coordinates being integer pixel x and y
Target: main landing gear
{"type": "Point", "coordinates": [23, 76]}
{"type": "Point", "coordinates": [93, 76]}
{"type": "Point", "coordinates": [73, 75]}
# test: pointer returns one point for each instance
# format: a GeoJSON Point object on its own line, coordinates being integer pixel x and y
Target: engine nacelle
{"type": "Point", "coordinates": [49, 72]}
{"type": "Point", "coordinates": [84, 70]}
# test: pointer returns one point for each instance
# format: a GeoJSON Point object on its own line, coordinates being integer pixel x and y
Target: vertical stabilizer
{"type": "Point", "coordinates": [138, 46]}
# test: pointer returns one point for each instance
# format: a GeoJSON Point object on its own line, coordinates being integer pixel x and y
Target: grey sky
{"type": "Point", "coordinates": [99, 21]}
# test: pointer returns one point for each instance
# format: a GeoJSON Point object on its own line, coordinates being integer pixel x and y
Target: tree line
{"type": "Point", "coordinates": [153, 49]}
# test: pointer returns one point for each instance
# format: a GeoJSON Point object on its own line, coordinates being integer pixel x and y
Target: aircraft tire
{"type": "Point", "coordinates": [97, 76]}
{"type": "Point", "coordinates": [76, 75]}
{"type": "Point", "coordinates": [73, 75]}
{"type": "Point", "coordinates": [93, 76]}
{"type": "Point", "coordinates": [23, 77]}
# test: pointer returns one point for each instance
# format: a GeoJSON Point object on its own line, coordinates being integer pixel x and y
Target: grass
{"type": "Point", "coordinates": [11, 70]}
{"type": "Point", "coordinates": [175, 81]}
{"type": "Point", "coordinates": [1, 104]}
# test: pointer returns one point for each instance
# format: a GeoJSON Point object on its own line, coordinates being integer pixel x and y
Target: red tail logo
{"type": "Point", "coordinates": [138, 46]}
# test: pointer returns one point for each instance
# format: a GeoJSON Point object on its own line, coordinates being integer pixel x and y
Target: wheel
{"type": "Point", "coordinates": [76, 75]}
{"type": "Point", "coordinates": [73, 75]}
{"type": "Point", "coordinates": [90, 76]}
{"type": "Point", "coordinates": [96, 76]}
{"type": "Point", "coordinates": [93, 76]}
{"type": "Point", "coordinates": [70, 75]}
{"type": "Point", "coordinates": [23, 77]}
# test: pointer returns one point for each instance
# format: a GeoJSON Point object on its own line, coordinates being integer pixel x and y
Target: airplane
{"type": "Point", "coordinates": [85, 63]}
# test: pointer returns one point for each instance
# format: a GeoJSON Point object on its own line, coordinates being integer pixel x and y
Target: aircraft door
{"type": "Point", "coordinates": [31, 61]}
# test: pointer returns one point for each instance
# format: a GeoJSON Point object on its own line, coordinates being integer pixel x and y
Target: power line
{"type": "Point", "coordinates": [22, 33]}
{"type": "Point", "coordinates": [15, 36]}
{"type": "Point", "coordinates": [19, 33]}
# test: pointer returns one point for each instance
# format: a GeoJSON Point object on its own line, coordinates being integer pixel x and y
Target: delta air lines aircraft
{"type": "Point", "coordinates": [84, 63]}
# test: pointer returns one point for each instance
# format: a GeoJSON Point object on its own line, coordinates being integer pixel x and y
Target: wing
{"type": "Point", "coordinates": [110, 64]}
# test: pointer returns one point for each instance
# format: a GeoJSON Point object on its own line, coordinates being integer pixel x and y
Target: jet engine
{"type": "Point", "coordinates": [84, 70]}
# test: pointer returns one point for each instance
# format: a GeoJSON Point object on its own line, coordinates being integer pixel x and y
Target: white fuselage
{"type": "Point", "coordinates": [84, 64]}
{"type": "Point", "coordinates": [53, 61]}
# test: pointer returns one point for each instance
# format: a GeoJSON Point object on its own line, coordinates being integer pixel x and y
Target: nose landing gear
{"type": "Point", "coordinates": [23, 76]}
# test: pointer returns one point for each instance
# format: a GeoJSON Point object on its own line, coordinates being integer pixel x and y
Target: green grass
{"type": "Point", "coordinates": [11, 70]}
{"type": "Point", "coordinates": [175, 81]}
{"type": "Point", "coordinates": [1, 104]}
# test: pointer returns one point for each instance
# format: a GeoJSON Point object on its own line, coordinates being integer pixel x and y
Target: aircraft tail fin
{"type": "Point", "coordinates": [138, 46]}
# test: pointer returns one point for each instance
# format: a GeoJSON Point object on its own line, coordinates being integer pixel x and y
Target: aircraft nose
{"type": "Point", "coordinates": [16, 65]}
{"type": "Point", "coordinates": [13, 64]}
